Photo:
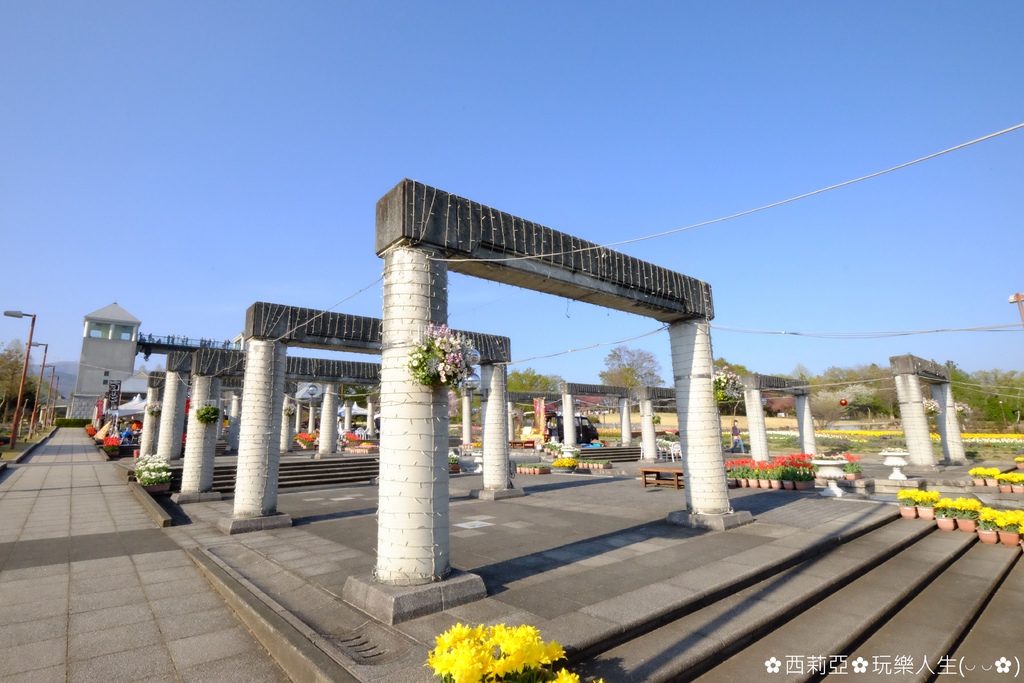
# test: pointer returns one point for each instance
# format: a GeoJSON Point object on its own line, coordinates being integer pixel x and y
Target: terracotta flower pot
{"type": "Point", "coordinates": [988, 537]}
{"type": "Point", "coordinates": [788, 485]}
{"type": "Point", "coordinates": [991, 482]}
{"type": "Point", "coordinates": [968, 526]}
{"type": "Point", "coordinates": [752, 483]}
{"type": "Point", "coordinates": [1010, 538]}
{"type": "Point", "coordinates": [925, 512]}
{"type": "Point", "coordinates": [764, 483]}
{"type": "Point", "coordinates": [743, 483]}
{"type": "Point", "coordinates": [945, 523]}
{"type": "Point", "coordinates": [803, 485]}
{"type": "Point", "coordinates": [1005, 488]}
{"type": "Point", "coordinates": [776, 483]}
{"type": "Point", "coordinates": [853, 476]}
{"type": "Point", "coordinates": [1017, 488]}
{"type": "Point", "coordinates": [978, 482]}
{"type": "Point", "coordinates": [908, 512]}
{"type": "Point", "coordinates": [1020, 466]}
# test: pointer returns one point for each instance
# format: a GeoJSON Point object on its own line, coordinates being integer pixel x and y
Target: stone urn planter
{"type": "Point", "coordinates": [831, 471]}
{"type": "Point", "coordinates": [895, 460]}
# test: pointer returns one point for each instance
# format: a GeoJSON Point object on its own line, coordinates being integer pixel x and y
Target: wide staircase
{"type": "Point", "coordinates": [903, 601]}
{"type": "Point", "coordinates": [298, 472]}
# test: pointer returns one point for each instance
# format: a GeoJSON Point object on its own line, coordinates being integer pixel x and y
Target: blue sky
{"type": "Point", "coordinates": [187, 159]}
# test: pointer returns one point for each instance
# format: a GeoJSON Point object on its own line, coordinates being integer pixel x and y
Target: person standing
{"type": "Point", "coordinates": [737, 442]}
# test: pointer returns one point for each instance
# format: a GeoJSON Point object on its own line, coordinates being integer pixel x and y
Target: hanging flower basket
{"type": "Point", "coordinates": [207, 415]}
{"type": "Point", "coordinates": [931, 406]}
{"type": "Point", "coordinates": [442, 357]}
{"type": "Point", "coordinates": [289, 410]}
{"type": "Point", "coordinates": [154, 408]}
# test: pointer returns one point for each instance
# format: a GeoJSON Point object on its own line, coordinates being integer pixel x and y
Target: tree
{"type": "Point", "coordinates": [12, 361]}
{"type": "Point", "coordinates": [529, 380]}
{"type": "Point", "coordinates": [631, 368]}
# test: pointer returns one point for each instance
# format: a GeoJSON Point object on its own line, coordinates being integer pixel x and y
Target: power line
{"type": "Point", "coordinates": [872, 335]}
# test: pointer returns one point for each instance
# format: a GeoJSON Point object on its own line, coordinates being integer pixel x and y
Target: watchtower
{"type": "Point", "coordinates": [108, 354]}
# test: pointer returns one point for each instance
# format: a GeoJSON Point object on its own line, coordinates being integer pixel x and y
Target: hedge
{"type": "Point", "coordinates": [71, 422]}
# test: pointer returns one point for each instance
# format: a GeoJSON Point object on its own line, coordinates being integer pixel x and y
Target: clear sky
{"type": "Point", "coordinates": [186, 159]}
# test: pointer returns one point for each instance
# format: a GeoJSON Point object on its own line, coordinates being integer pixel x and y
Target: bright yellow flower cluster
{"type": "Point", "coordinates": [915, 497]}
{"type": "Point", "coordinates": [983, 472]}
{"type": "Point", "coordinates": [496, 653]}
{"type": "Point", "coordinates": [964, 508]}
{"type": "Point", "coordinates": [1004, 520]}
{"type": "Point", "coordinates": [1019, 458]}
{"type": "Point", "coordinates": [1011, 478]}
{"type": "Point", "coordinates": [564, 462]}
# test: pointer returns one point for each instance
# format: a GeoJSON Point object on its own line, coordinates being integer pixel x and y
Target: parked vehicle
{"type": "Point", "coordinates": [585, 430]}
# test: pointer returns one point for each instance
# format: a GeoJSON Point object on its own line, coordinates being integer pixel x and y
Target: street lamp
{"type": "Point", "coordinates": [39, 386]}
{"type": "Point", "coordinates": [24, 371]}
{"type": "Point", "coordinates": [1019, 300]}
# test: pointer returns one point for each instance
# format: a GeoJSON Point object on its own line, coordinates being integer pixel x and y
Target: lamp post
{"type": "Point", "coordinates": [24, 371]}
{"type": "Point", "coordinates": [56, 395]}
{"type": "Point", "coordinates": [48, 411]}
{"type": "Point", "coordinates": [39, 386]}
{"type": "Point", "coordinates": [1019, 300]}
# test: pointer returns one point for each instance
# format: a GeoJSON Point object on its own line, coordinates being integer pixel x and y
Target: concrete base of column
{"type": "Point", "coordinates": [497, 494]}
{"type": "Point", "coordinates": [712, 522]}
{"type": "Point", "coordinates": [182, 498]}
{"type": "Point", "coordinates": [243, 525]}
{"type": "Point", "coordinates": [395, 604]}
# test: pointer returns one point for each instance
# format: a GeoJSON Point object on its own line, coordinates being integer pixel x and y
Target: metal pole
{"type": "Point", "coordinates": [39, 385]}
{"type": "Point", "coordinates": [24, 371]}
{"type": "Point", "coordinates": [48, 413]}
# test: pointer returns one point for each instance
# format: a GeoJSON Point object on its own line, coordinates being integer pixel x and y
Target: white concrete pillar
{"type": "Point", "coordinates": [949, 425]}
{"type": "Point", "coordinates": [568, 420]}
{"type": "Point", "coordinates": [172, 419]}
{"type": "Point", "coordinates": [700, 433]}
{"type": "Point", "coordinates": [259, 452]}
{"type": "Point", "coordinates": [348, 417]}
{"type": "Point", "coordinates": [150, 425]}
{"type": "Point", "coordinates": [219, 404]}
{"type": "Point", "coordinates": [510, 414]}
{"type": "Point", "coordinates": [197, 469]}
{"type": "Point", "coordinates": [915, 422]}
{"type": "Point", "coordinates": [805, 424]}
{"type": "Point", "coordinates": [329, 421]}
{"type": "Point", "coordinates": [311, 425]}
{"type": "Point", "coordinates": [624, 422]}
{"type": "Point", "coordinates": [371, 423]}
{"type": "Point", "coordinates": [286, 441]}
{"type": "Point", "coordinates": [494, 379]}
{"type": "Point", "coordinates": [648, 437]}
{"type": "Point", "coordinates": [235, 417]}
{"type": "Point", "coordinates": [467, 416]}
{"type": "Point", "coordinates": [756, 424]}
{"type": "Point", "coordinates": [413, 544]}
{"type": "Point", "coordinates": [298, 415]}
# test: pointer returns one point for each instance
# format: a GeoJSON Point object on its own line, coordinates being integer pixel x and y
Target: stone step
{"type": "Point", "coordinates": [986, 642]}
{"type": "Point", "coordinates": [835, 623]}
{"type": "Point", "coordinates": [689, 646]}
{"type": "Point", "coordinates": [929, 626]}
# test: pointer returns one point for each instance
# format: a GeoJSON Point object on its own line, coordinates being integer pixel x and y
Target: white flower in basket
{"type": "Point", "coordinates": [154, 408]}
{"type": "Point", "coordinates": [443, 357]}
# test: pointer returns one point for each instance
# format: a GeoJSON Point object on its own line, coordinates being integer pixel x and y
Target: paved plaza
{"type": "Point", "coordinates": [91, 589]}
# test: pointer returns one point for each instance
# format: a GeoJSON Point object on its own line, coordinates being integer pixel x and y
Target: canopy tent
{"type": "Point", "coordinates": [356, 410]}
{"type": "Point", "coordinates": [136, 406]}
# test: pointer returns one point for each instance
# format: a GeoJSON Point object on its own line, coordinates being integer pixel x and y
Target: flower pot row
{"type": "Point", "coordinates": [969, 516]}
{"type": "Point", "coordinates": [772, 484]}
{"type": "Point", "coordinates": [532, 469]}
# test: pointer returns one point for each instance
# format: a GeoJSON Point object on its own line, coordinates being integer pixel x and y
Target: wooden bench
{"type": "Point", "coordinates": [662, 477]}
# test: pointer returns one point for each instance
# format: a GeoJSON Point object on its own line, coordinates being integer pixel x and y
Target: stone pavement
{"type": "Point", "coordinates": [92, 590]}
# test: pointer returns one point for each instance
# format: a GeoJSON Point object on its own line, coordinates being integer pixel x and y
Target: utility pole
{"type": "Point", "coordinates": [1019, 300]}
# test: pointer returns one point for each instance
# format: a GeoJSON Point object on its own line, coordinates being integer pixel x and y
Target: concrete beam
{"type": "Point", "coordinates": [925, 369]}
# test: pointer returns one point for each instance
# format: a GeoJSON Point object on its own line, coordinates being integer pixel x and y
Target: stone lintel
{"type": "Point", "coordinates": [723, 522]}
{"type": "Point", "coordinates": [156, 380]}
{"type": "Point", "coordinates": [243, 525]}
{"type": "Point", "coordinates": [313, 329]}
{"type": "Point", "coordinates": [497, 494]}
{"type": "Point", "coordinates": [655, 393]}
{"type": "Point", "coordinates": [184, 498]}
{"type": "Point", "coordinates": [230, 363]}
{"type": "Point", "coordinates": [527, 396]}
{"type": "Point", "coordinates": [925, 369]}
{"type": "Point", "coordinates": [577, 389]}
{"type": "Point", "coordinates": [179, 361]}
{"type": "Point", "coordinates": [395, 604]}
{"type": "Point", "coordinates": [468, 232]}
{"type": "Point", "coordinates": [774, 383]}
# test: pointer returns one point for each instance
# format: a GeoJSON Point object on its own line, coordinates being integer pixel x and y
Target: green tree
{"type": "Point", "coordinates": [12, 361]}
{"type": "Point", "coordinates": [529, 380]}
{"type": "Point", "coordinates": [631, 368]}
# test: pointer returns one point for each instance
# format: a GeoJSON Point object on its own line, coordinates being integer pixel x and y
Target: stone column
{"type": "Point", "coordinates": [510, 414]}
{"type": "Point", "coordinates": [700, 434]}
{"type": "Point", "coordinates": [624, 421]}
{"type": "Point", "coordinates": [259, 452]}
{"type": "Point", "coordinates": [568, 420]}
{"type": "Point", "coordinates": [197, 469]}
{"type": "Point", "coordinates": [371, 424]}
{"type": "Point", "coordinates": [413, 545]}
{"type": "Point", "coordinates": [648, 437]}
{"type": "Point", "coordinates": [949, 425]}
{"type": "Point", "coordinates": [236, 417]}
{"type": "Point", "coordinates": [805, 423]}
{"type": "Point", "coordinates": [297, 418]}
{"type": "Point", "coordinates": [494, 380]}
{"type": "Point", "coordinates": [150, 424]}
{"type": "Point", "coordinates": [286, 424]}
{"type": "Point", "coordinates": [348, 417]}
{"type": "Point", "coordinates": [467, 416]}
{"type": "Point", "coordinates": [329, 421]}
{"type": "Point", "coordinates": [915, 422]}
{"type": "Point", "coordinates": [311, 426]}
{"type": "Point", "coordinates": [756, 423]}
{"type": "Point", "coordinates": [172, 419]}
